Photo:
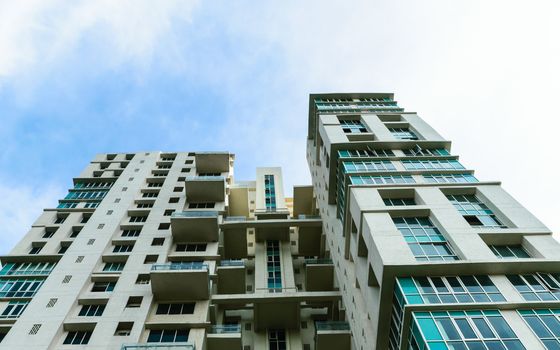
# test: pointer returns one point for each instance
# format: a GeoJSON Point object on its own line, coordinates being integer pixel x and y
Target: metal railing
{"type": "Point", "coordinates": [318, 261]}
{"type": "Point", "coordinates": [235, 218]}
{"type": "Point", "coordinates": [159, 346]}
{"type": "Point", "coordinates": [225, 328]}
{"type": "Point", "coordinates": [308, 217]}
{"type": "Point", "coordinates": [332, 326]}
{"type": "Point", "coordinates": [180, 266]}
{"type": "Point", "coordinates": [195, 214]}
{"type": "Point", "coordinates": [206, 178]}
{"type": "Point", "coordinates": [232, 263]}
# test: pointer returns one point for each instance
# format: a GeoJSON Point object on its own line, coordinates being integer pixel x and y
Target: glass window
{"type": "Point", "coordinates": [450, 178]}
{"type": "Point", "coordinates": [168, 335]}
{"type": "Point", "coordinates": [398, 201]}
{"type": "Point", "coordinates": [510, 251]}
{"type": "Point", "coordinates": [432, 165]}
{"type": "Point", "coordinates": [367, 166]}
{"type": "Point", "coordinates": [352, 126]}
{"type": "Point", "coordinates": [403, 134]}
{"type": "Point", "coordinates": [535, 287]}
{"type": "Point", "coordinates": [77, 337]}
{"type": "Point", "coordinates": [366, 153]}
{"type": "Point", "coordinates": [474, 211]}
{"type": "Point", "coordinates": [473, 330]}
{"type": "Point", "coordinates": [424, 239]}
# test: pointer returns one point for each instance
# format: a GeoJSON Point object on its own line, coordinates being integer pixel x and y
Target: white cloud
{"type": "Point", "coordinates": [20, 207]}
{"type": "Point", "coordinates": [36, 34]}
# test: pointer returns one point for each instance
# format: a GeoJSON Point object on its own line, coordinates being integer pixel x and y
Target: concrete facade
{"type": "Point", "coordinates": [375, 169]}
{"type": "Point", "coordinates": [158, 250]}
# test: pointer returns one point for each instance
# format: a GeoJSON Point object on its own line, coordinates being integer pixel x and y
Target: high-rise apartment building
{"type": "Point", "coordinates": [164, 251]}
{"type": "Point", "coordinates": [396, 245]}
{"type": "Point", "coordinates": [427, 256]}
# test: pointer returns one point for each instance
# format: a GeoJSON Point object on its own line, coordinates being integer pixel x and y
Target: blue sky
{"type": "Point", "coordinates": [79, 78]}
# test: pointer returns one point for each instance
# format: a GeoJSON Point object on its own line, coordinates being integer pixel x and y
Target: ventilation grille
{"type": "Point", "coordinates": [79, 259]}
{"type": "Point", "coordinates": [35, 329]}
{"type": "Point", "coordinates": [67, 279]}
{"type": "Point", "coordinates": [52, 302]}
{"type": "Point", "coordinates": [91, 241]}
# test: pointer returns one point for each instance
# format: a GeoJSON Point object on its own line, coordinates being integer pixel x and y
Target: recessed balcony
{"type": "Point", "coordinates": [159, 346]}
{"type": "Point", "coordinates": [231, 277]}
{"type": "Point", "coordinates": [332, 335]}
{"type": "Point", "coordinates": [319, 275]}
{"type": "Point", "coordinates": [180, 281]}
{"type": "Point", "coordinates": [224, 337]}
{"type": "Point", "coordinates": [195, 226]}
{"type": "Point", "coordinates": [212, 162]}
{"type": "Point", "coordinates": [205, 188]}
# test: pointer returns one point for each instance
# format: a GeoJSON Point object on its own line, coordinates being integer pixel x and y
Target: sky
{"type": "Point", "coordinates": [79, 78]}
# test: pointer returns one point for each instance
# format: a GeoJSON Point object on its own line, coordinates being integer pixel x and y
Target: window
{"type": "Point", "coordinates": [143, 279]}
{"type": "Point", "coordinates": [49, 232]}
{"type": "Point", "coordinates": [175, 309]}
{"type": "Point", "coordinates": [450, 178]}
{"type": "Point", "coordinates": [77, 337]}
{"type": "Point", "coordinates": [158, 241]}
{"type": "Point", "coordinates": [150, 259]}
{"type": "Point", "coordinates": [19, 288]}
{"type": "Point", "coordinates": [123, 248]}
{"type": "Point", "coordinates": [365, 166]}
{"type": "Point", "coordinates": [168, 335]}
{"type": "Point", "coordinates": [174, 200]}
{"type": "Point", "coordinates": [144, 205]}
{"type": "Point", "coordinates": [479, 329]}
{"type": "Point", "coordinates": [35, 249]}
{"type": "Point", "coordinates": [191, 247]}
{"type": "Point", "coordinates": [424, 239]}
{"type": "Point", "coordinates": [545, 324]}
{"type": "Point", "coordinates": [168, 212]}
{"type": "Point", "coordinates": [63, 248]}
{"type": "Point", "coordinates": [124, 329]}
{"type": "Point", "coordinates": [432, 165]}
{"type": "Point", "coordinates": [277, 339]}
{"type": "Point", "coordinates": [352, 126]}
{"type": "Point", "coordinates": [60, 219]}
{"type": "Point", "coordinates": [274, 267]}
{"type": "Point", "coordinates": [449, 290]}
{"type": "Point", "coordinates": [27, 268]}
{"type": "Point", "coordinates": [155, 184]}
{"type": "Point", "coordinates": [164, 226]}
{"type": "Point", "coordinates": [75, 231]}
{"type": "Point", "coordinates": [392, 202]}
{"type": "Point", "coordinates": [403, 134]}
{"type": "Point", "coordinates": [509, 251]}
{"type": "Point", "coordinates": [429, 152]}
{"type": "Point", "coordinates": [201, 205]}
{"type": "Point", "coordinates": [85, 218]}
{"type": "Point", "coordinates": [103, 286]}
{"type": "Point", "coordinates": [113, 266]}
{"type": "Point", "coordinates": [381, 180]}
{"type": "Point", "coordinates": [14, 309]}
{"type": "Point", "coordinates": [138, 218]}
{"type": "Point", "coordinates": [67, 205]}
{"type": "Point", "coordinates": [150, 194]}
{"type": "Point", "coordinates": [366, 153]}
{"type": "Point", "coordinates": [130, 233]}
{"type": "Point", "coordinates": [134, 302]}
{"type": "Point", "coordinates": [164, 166]}
{"type": "Point", "coordinates": [92, 310]}
{"type": "Point", "coordinates": [474, 211]}
{"type": "Point", "coordinates": [537, 287]}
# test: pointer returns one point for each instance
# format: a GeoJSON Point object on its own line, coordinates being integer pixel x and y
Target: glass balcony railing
{"type": "Point", "coordinates": [191, 265]}
{"type": "Point", "coordinates": [225, 329]}
{"type": "Point", "coordinates": [308, 217]}
{"type": "Point", "coordinates": [232, 263]}
{"type": "Point", "coordinates": [195, 214]}
{"type": "Point", "coordinates": [318, 261]}
{"type": "Point", "coordinates": [206, 178]}
{"type": "Point", "coordinates": [332, 326]}
{"type": "Point", "coordinates": [159, 346]}
{"type": "Point", "coordinates": [236, 218]}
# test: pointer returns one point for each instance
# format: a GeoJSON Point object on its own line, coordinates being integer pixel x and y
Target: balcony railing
{"type": "Point", "coordinates": [225, 328]}
{"type": "Point", "coordinates": [318, 261]}
{"type": "Point", "coordinates": [308, 217]}
{"type": "Point", "coordinates": [332, 326]}
{"type": "Point", "coordinates": [232, 263]}
{"type": "Point", "coordinates": [236, 218]}
{"type": "Point", "coordinates": [206, 178]}
{"type": "Point", "coordinates": [195, 214]}
{"type": "Point", "coordinates": [180, 266]}
{"type": "Point", "coordinates": [159, 346]}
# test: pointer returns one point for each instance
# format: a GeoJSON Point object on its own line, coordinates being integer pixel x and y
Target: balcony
{"type": "Point", "coordinates": [159, 346]}
{"type": "Point", "coordinates": [180, 281]}
{"type": "Point", "coordinates": [205, 188]}
{"type": "Point", "coordinates": [332, 335]}
{"type": "Point", "coordinates": [319, 275]}
{"type": "Point", "coordinates": [231, 277]}
{"type": "Point", "coordinates": [309, 238]}
{"type": "Point", "coordinates": [195, 226]}
{"type": "Point", "coordinates": [224, 337]}
{"type": "Point", "coordinates": [212, 162]}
